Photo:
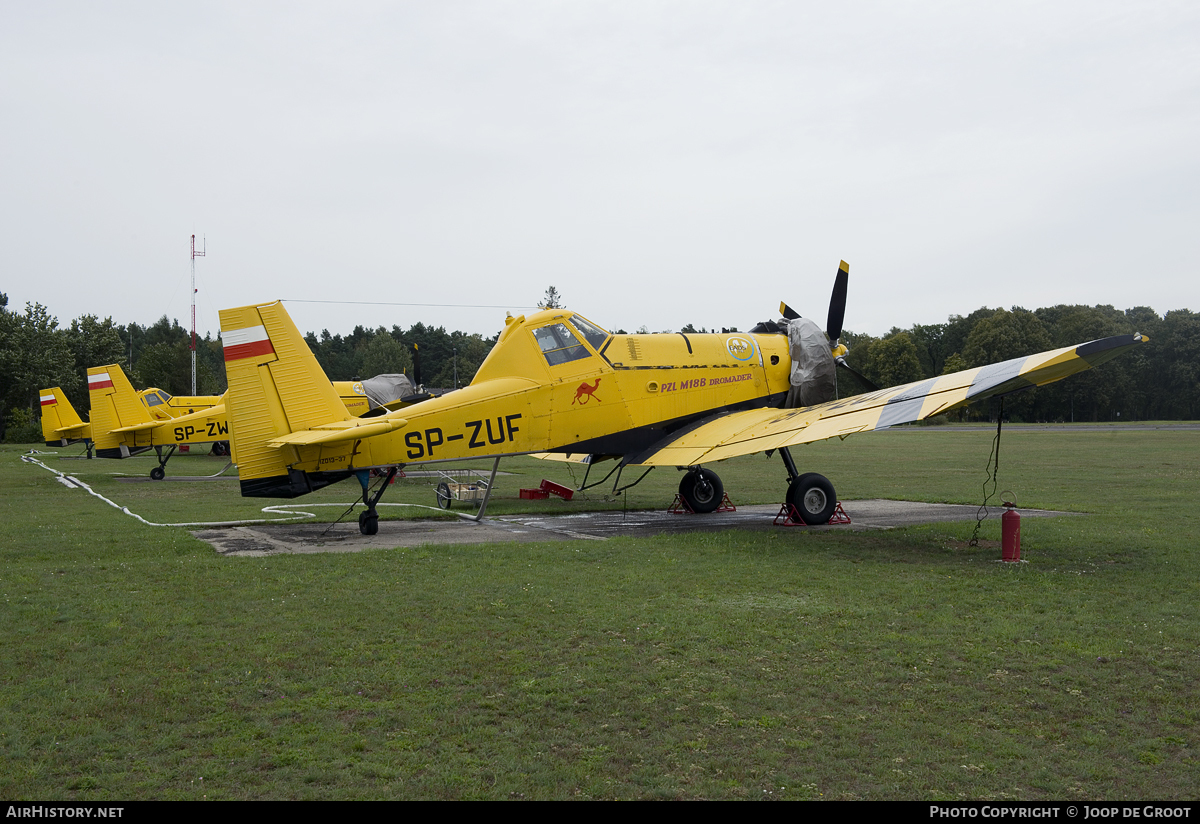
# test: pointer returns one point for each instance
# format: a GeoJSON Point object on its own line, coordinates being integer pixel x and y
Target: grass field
{"type": "Point", "coordinates": [792, 665]}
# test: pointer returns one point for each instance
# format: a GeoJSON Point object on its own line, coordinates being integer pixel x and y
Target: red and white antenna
{"type": "Point", "coordinates": [195, 254]}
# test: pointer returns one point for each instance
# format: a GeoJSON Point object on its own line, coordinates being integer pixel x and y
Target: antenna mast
{"type": "Point", "coordinates": [195, 254]}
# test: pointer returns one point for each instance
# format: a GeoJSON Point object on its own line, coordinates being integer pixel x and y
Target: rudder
{"type": "Point", "coordinates": [276, 387]}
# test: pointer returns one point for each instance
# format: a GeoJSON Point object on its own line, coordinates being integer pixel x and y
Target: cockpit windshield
{"type": "Point", "coordinates": [559, 344]}
{"type": "Point", "coordinates": [592, 333]}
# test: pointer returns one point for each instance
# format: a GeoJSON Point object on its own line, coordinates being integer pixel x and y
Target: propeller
{"type": "Point", "coordinates": [416, 368]}
{"type": "Point", "coordinates": [833, 324]}
{"type": "Point", "coordinates": [837, 305]}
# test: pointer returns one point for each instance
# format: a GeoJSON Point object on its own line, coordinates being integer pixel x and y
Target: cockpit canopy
{"type": "Point", "coordinates": [559, 342]}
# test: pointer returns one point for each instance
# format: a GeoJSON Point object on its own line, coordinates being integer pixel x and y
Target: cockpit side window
{"type": "Point", "coordinates": [153, 399]}
{"type": "Point", "coordinates": [592, 333]}
{"type": "Point", "coordinates": [559, 344]}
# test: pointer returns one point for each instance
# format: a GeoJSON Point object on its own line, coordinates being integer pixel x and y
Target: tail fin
{"type": "Point", "coordinates": [61, 424]}
{"type": "Point", "coordinates": [276, 387]}
{"type": "Point", "coordinates": [120, 422]}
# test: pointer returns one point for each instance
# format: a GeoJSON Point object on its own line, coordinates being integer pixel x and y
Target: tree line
{"type": "Point", "coordinates": [1158, 381]}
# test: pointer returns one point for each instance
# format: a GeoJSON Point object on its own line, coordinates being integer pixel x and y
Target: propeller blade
{"type": "Point", "coordinates": [870, 384]}
{"type": "Point", "coordinates": [837, 303]}
{"type": "Point", "coordinates": [416, 366]}
{"type": "Point", "coordinates": [787, 311]}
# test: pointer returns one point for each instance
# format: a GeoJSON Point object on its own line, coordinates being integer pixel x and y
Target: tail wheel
{"type": "Point", "coordinates": [701, 490]}
{"type": "Point", "coordinates": [813, 497]}
{"type": "Point", "coordinates": [443, 496]}
{"type": "Point", "coordinates": [368, 522]}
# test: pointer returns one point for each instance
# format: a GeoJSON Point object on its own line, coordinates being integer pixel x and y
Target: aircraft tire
{"type": "Point", "coordinates": [368, 522]}
{"type": "Point", "coordinates": [813, 497]}
{"type": "Point", "coordinates": [701, 490]}
{"type": "Point", "coordinates": [443, 496]}
{"type": "Point", "coordinates": [220, 448]}
{"type": "Point", "coordinates": [157, 473]}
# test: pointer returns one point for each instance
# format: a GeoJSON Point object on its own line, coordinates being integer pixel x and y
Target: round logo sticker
{"type": "Point", "coordinates": [741, 349]}
{"type": "Point", "coordinates": [358, 389]}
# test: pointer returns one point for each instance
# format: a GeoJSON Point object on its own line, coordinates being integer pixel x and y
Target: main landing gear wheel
{"type": "Point", "coordinates": [368, 522]}
{"type": "Point", "coordinates": [813, 497]}
{"type": "Point", "coordinates": [221, 449]}
{"type": "Point", "coordinates": [443, 496]}
{"type": "Point", "coordinates": [157, 473]}
{"type": "Point", "coordinates": [701, 490]}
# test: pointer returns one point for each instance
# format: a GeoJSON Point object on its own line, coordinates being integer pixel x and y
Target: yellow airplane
{"type": "Point", "coordinates": [61, 424]}
{"type": "Point", "coordinates": [163, 406]}
{"type": "Point", "coordinates": [557, 383]}
{"type": "Point", "coordinates": [126, 423]}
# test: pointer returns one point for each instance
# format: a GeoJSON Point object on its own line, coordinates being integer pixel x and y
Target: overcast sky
{"type": "Point", "coordinates": [659, 163]}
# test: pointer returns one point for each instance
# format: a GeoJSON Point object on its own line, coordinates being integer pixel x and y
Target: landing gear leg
{"type": "Point", "coordinates": [790, 464]}
{"type": "Point", "coordinates": [160, 471]}
{"type": "Point", "coordinates": [368, 519]}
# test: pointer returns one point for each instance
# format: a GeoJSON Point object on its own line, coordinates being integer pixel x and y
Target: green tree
{"type": "Point", "coordinates": [893, 361]}
{"type": "Point", "coordinates": [1004, 336]}
{"type": "Point", "coordinates": [93, 342]}
{"type": "Point", "coordinates": [385, 355]}
{"type": "Point", "coordinates": [168, 366]}
{"type": "Point", "coordinates": [551, 300]}
{"type": "Point", "coordinates": [471, 351]}
{"type": "Point", "coordinates": [34, 355]}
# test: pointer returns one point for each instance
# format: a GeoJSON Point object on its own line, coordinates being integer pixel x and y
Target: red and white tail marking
{"type": "Point", "coordinates": [247, 343]}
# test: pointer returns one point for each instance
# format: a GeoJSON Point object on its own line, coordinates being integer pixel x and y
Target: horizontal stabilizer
{"type": "Point", "coordinates": [340, 431]}
{"type": "Point", "coordinates": [137, 427]}
{"type": "Point", "coordinates": [564, 457]}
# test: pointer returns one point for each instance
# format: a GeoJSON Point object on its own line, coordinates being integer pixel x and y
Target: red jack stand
{"type": "Point", "coordinates": [788, 516]}
{"type": "Point", "coordinates": [680, 507]}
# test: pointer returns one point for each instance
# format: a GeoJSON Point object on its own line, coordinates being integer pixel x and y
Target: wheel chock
{"type": "Point", "coordinates": [788, 516]}
{"type": "Point", "coordinates": [680, 507]}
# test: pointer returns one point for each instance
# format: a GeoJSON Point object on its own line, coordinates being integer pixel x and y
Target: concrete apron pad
{"type": "Point", "coordinates": [278, 539]}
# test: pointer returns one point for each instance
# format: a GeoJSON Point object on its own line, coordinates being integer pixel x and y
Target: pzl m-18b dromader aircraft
{"type": "Point", "coordinates": [558, 383]}
{"type": "Point", "coordinates": [126, 423]}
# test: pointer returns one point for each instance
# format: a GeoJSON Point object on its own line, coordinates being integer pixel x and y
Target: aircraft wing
{"type": "Point", "coordinates": [759, 430]}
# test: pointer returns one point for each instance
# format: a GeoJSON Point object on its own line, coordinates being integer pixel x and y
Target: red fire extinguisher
{"type": "Point", "coordinates": [1010, 533]}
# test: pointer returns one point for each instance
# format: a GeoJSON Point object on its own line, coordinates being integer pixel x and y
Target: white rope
{"type": "Point", "coordinates": [71, 482]}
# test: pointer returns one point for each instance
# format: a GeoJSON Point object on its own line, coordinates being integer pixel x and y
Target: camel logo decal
{"type": "Point", "coordinates": [584, 393]}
